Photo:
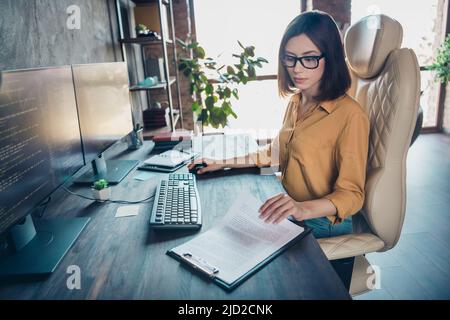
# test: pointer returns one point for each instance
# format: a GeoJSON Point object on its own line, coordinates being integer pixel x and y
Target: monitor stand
{"type": "Point", "coordinates": [40, 246]}
{"type": "Point", "coordinates": [112, 171]}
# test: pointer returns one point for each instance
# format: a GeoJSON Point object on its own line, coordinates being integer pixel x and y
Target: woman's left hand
{"type": "Point", "coordinates": [281, 206]}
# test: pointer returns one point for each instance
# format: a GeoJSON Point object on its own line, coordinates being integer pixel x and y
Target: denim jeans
{"type": "Point", "coordinates": [322, 227]}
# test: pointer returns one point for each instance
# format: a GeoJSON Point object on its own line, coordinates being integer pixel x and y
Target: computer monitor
{"type": "Point", "coordinates": [104, 109]}
{"type": "Point", "coordinates": [40, 148]}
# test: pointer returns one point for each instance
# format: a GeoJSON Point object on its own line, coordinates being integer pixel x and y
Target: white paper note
{"type": "Point", "coordinates": [144, 176]}
{"type": "Point", "coordinates": [127, 211]}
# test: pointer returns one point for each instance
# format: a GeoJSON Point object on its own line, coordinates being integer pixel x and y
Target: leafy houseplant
{"type": "Point", "coordinates": [442, 68]}
{"type": "Point", "coordinates": [213, 105]}
{"type": "Point", "coordinates": [101, 190]}
{"type": "Point", "coordinates": [442, 63]}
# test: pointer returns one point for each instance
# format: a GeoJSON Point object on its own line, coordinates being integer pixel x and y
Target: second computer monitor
{"type": "Point", "coordinates": [104, 109]}
{"type": "Point", "coordinates": [103, 102]}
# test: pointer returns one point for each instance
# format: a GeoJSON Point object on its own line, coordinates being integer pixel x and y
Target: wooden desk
{"type": "Point", "coordinates": [121, 258]}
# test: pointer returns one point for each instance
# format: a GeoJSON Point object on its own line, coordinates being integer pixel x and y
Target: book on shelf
{"type": "Point", "coordinates": [178, 135]}
{"type": "Point", "coordinates": [181, 139]}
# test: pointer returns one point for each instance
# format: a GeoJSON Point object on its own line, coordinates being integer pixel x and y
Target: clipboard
{"type": "Point", "coordinates": [212, 273]}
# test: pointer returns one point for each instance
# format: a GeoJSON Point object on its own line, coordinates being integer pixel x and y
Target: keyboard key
{"type": "Point", "coordinates": [193, 203]}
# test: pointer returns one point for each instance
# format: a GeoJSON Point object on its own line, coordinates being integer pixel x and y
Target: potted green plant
{"type": "Point", "coordinates": [101, 190]}
{"type": "Point", "coordinates": [442, 68]}
{"type": "Point", "coordinates": [142, 30]}
{"type": "Point", "coordinates": [442, 62]}
{"type": "Point", "coordinates": [213, 105]}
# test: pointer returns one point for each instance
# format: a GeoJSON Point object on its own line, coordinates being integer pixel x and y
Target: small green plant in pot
{"type": "Point", "coordinates": [213, 103]}
{"type": "Point", "coordinates": [142, 30]}
{"type": "Point", "coordinates": [101, 190]}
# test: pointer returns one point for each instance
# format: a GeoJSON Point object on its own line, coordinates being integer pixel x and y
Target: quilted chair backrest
{"type": "Point", "coordinates": [386, 82]}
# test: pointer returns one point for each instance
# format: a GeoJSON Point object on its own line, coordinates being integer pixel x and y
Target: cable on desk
{"type": "Point", "coordinates": [43, 205]}
{"type": "Point", "coordinates": [112, 201]}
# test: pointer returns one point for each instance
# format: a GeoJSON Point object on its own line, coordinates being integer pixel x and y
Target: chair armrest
{"type": "Point", "coordinates": [350, 245]}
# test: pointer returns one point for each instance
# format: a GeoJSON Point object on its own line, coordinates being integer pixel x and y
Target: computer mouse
{"type": "Point", "coordinates": [197, 167]}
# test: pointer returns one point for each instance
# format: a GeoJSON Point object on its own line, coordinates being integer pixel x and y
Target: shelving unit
{"type": "Point", "coordinates": [165, 42]}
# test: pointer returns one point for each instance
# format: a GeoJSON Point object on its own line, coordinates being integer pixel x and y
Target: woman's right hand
{"type": "Point", "coordinates": [211, 165]}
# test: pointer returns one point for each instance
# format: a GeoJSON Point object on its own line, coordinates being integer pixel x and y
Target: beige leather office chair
{"type": "Point", "coordinates": [386, 82]}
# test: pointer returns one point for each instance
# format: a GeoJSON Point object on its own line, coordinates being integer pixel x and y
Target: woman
{"type": "Point", "coordinates": [322, 146]}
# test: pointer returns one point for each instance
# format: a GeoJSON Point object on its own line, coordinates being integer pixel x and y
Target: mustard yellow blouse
{"type": "Point", "coordinates": [323, 154]}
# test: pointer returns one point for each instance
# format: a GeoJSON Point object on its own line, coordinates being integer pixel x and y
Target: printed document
{"type": "Point", "coordinates": [240, 241]}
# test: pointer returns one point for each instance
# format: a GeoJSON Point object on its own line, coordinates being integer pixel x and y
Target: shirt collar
{"type": "Point", "coordinates": [330, 105]}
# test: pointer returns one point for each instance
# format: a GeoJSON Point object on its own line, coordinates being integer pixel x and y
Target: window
{"type": "Point", "coordinates": [220, 24]}
{"type": "Point", "coordinates": [422, 23]}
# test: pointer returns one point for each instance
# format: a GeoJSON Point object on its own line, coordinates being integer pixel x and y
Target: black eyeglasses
{"type": "Point", "coordinates": [309, 62]}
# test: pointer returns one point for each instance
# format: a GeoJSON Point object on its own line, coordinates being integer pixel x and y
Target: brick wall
{"type": "Point", "coordinates": [446, 120]}
{"type": "Point", "coordinates": [183, 29]}
{"type": "Point", "coordinates": [340, 10]}
{"type": "Point", "coordinates": [446, 115]}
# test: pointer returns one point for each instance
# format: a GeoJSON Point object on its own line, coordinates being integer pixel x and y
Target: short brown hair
{"type": "Point", "coordinates": [321, 28]}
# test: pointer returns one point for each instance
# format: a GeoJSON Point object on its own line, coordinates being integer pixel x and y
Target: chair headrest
{"type": "Point", "coordinates": [368, 43]}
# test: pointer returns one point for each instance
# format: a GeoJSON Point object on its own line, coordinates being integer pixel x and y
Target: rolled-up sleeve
{"type": "Point", "coordinates": [351, 160]}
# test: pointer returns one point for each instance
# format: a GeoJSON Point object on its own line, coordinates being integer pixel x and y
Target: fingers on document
{"type": "Point", "coordinates": [272, 204]}
{"type": "Point", "coordinates": [269, 202]}
{"type": "Point", "coordinates": [278, 209]}
{"type": "Point", "coordinates": [283, 212]}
